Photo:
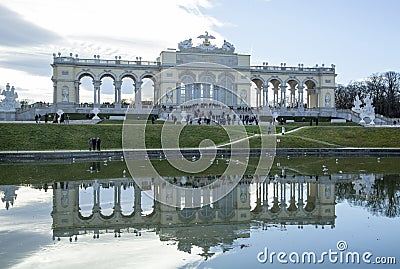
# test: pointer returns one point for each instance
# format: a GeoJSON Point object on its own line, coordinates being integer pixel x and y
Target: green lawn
{"type": "Point", "coordinates": [354, 136]}
{"type": "Point", "coordinates": [57, 136]}
{"type": "Point", "coordinates": [63, 137]}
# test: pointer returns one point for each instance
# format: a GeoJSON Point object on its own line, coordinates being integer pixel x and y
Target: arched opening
{"type": "Point", "coordinates": [127, 91]}
{"type": "Point", "coordinates": [107, 91]}
{"type": "Point", "coordinates": [311, 98]}
{"type": "Point", "coordinates": [149, 95]}
{"type": "Point", "coordinates": [106, 200]}
{"type": "Point", "coordinates": [147, 201]}
{"type": "Point", "coordinates": [86, 90]}
{"type": "Point", "coordinates": [274, 93]}
{"type": "Point", "coordinates": [86, 202]}
{"type": "Point", "coordinates": [257, 96]}
{"type": "Point", "coordinates": [127, 199]}
{"type": "Point", "coordinates": [291, 94]}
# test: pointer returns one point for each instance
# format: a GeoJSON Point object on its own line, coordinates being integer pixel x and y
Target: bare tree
{"type": "Point", "coordinates": [384, 89]}
{"type": "Point", "coordinates": [376, 87]}
{"type": "Point", "coordinates": [392, 89]}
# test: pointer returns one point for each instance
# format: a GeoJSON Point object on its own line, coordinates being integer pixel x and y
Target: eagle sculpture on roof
{"type": "Point", "coordinates": [206, 38]}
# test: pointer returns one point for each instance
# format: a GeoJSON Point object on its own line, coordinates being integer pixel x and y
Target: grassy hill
{"type": "Point", "coordinates": [75, 137]}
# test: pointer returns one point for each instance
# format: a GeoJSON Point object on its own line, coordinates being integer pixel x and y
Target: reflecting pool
{"type": "Point", "coordinates": [307, 213]}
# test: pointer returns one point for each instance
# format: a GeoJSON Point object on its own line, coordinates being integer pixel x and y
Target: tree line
{"type": "Point", "coordinates": [384, 89]}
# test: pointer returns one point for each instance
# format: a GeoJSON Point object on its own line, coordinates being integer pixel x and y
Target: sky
{"type": "Point", "coordinates": [360, 37]}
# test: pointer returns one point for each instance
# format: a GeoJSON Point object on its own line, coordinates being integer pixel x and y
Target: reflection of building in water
{"type": "Point", "coordinates": [9, 195]}
{"type": "Point", "coordinates": [300, 201]}
{"type": "Point", "coordinates": [296, 202]}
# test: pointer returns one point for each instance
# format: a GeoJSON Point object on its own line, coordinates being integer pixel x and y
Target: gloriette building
{"type": "Point", "coordinates": [193, 72]}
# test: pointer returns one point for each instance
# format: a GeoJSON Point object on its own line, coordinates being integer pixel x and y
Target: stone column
{"type": "Point", "coordinates": [292, 97]}
{"type": "Point", "coordinates": [117, 197]}
{"type": "Point", "coordinates": [178, 94]}
{"type": "Point", "coordinates": [265, 193]}
{"type": "Point", "coordinates": [157, 92]}
{"type": "Point", "coordinates": [178, 198]}
{"type": "Point", "coordinates": [117, 93]}
{"type": "Point", "coordinates": [138, 200]}
{"type": "Point", "coordinates": [55, 99]}
{"type": "Point", "coordinates": [283, 97]}
{"type": "Point", "coordinates": [96, 197]}
{"type": "Point", "coordinates": [257, 97]}
{"type": "Point", "coordinates": [265, 89]}
{"type": "Point", "coordinates": [96, 95]}
{"type": "Point", "coordinates": [300, 98]}
{"type": "Point", "coordinates": [138, 95]}
{"type": "Point", "coordinates": [317, 91]}
{"type": "Point", "coordinates": [76, 86]}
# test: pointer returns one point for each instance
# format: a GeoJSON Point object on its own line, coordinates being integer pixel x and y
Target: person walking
{"type": "Point", "coordinates": [90, 143]}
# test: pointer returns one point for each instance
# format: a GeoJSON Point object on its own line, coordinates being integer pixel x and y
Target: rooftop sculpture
{"type": "Point", "coordinates": [205, 46]}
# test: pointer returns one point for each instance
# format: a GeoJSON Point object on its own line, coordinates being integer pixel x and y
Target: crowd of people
{"type": "Point", "coordinates": [209, 113]}
{"type": "Point", "coordinates": [56, 118]}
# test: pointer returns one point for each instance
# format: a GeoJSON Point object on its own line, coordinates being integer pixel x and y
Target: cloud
{"type": "Point", "coordinates": [35, 64]}
{"type": "Point", "coordinates": [15, 31]}
{"type": "Point", "coordinates": [31, 32]}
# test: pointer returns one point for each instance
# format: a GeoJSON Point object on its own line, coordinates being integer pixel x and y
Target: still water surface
{"type": "Point", "coordinates": [104, 220]}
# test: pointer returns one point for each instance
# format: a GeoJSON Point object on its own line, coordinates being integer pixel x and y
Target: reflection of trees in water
{"type": "Point", "coordinates": [383, 200]}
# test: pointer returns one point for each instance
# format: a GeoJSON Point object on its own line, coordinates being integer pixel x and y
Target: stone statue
{"type": "Point", "coordinates": [328, 100]}
{"type": "Point", "coordinates": [368, 101]}
{"type": "Point", "coordinates": [65, 94]}
{"type": "Point", "coordinates": [9, 103]}
{"type": "Point", "coordinates": [183, 117]}
{"type": "Point", "coordinates": [357, 105]}
{"type": "Point", "coordinates": [186, 44]}
{"type": "Point", "coordinates": [206, 38]}
{"type": "Point", "coordinates": [367, 111]}
{"type": "Point", "coordinates": [169, 96]}
{"type": "Point", "coordinates": [96, 111]}
{"type": "Point", "coordinates": [206, 45]}
{"type": "Point", "coordinates": [228, 47]}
